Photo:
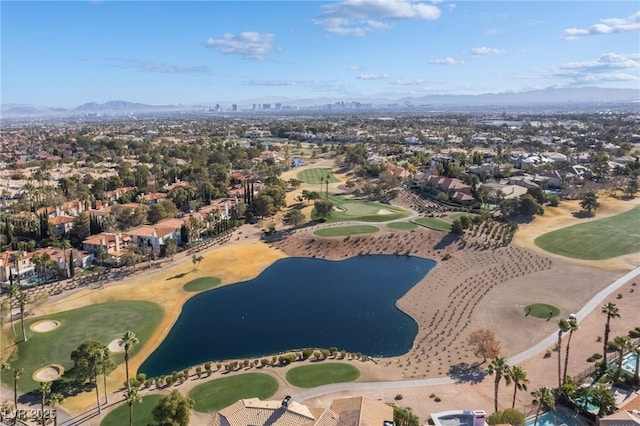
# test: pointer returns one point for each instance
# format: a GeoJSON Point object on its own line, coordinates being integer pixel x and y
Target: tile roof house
{"type": "Point", "coordinates": [152, 235]}
{"type": "Point", "coordinates": [355, 411]}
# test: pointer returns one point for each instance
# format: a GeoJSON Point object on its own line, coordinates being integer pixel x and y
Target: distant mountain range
{"type": "Point", "coordinates": [567, 96]}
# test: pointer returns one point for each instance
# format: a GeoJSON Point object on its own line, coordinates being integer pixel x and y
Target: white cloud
{"type": "Point", "coordinates": [493, 31]}
{"type": "Point", "coordinates": [608, 67]}
{"type": "Point", "coordinates": [358, 17]}
{"type": "Point", "coordinates": [482, 51]}
{"type": "Point", "coordinates": [373, 76]}
{"type": "Point", "coordinates": [250, 45]}
{"type": "Point", "coordinates": [354, 68]}
{"type": "Point", "coordinates": [606, 26]}
{"type": "Point", "coordinates": [446, 61]}
{"type": "Point", "coordinates": [409, 82]}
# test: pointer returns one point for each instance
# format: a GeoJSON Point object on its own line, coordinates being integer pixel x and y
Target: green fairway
{"type": "Point", "coordinates": [343, 231]}
{"type": "Point", "coordinates": [219, 393]}
{"type": "Point", "coordinates": [402, 226]}
{"type": "Point", "coordinates": [361, 211]}
{"type": "Point", "coordinates": [598, 239]}
{"type": "Point", "coordinates": [141, 413]}
{"type": "Point", "coordinates": [103, 322]}
{"type": "Point", "coordinates": [310, 376]}
{"type": "Point", "coordinates": [433, 223]}
{"type": "Point", "coordinates": [541, 310]}
{"type": "Point", "coordinates": [200, 284]}
{"type": "Point", "coordinates": [316, 176]}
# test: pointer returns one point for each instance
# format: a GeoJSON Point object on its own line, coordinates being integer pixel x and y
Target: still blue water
{"type": "Point", "coordinates": [553, 418]}
{"type": "Point", "coordinates": [294, 304]}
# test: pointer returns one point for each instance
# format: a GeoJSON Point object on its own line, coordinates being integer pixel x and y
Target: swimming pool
{"type": "Point", "coordinates": [555, 418]}
{"type": "Point", "coordinates": [629, 363]}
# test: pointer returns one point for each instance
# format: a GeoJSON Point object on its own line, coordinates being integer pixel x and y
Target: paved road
{"type": "Point", "coordinates": [594, 303]}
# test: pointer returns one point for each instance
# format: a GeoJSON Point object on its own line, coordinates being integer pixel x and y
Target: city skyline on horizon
{"type": "Point", "coordinates": [65, 54]}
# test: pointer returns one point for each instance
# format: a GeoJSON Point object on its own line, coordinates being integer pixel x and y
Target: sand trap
{"type": "Point", "coordinates": [48, 373]}
{"type": "Point", "coordinates": [114, 346]}
{"type": "Point", "coordinates": [44, 326]}
{"type": "Point", "coordinates": [384, 211]}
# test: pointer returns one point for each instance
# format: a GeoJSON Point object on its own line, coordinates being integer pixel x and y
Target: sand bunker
{"type": "Point", "coordinates": [44, 326]}
{"type": "Point", "coordinates": [384, 211]}
{"type": "Point", "coordinates": [48, 373]}
{"type": "Point", "coordinates": [114, 346]}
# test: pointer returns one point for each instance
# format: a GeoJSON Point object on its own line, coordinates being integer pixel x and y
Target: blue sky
{"type": "Point", "coordinates": [168, 52]}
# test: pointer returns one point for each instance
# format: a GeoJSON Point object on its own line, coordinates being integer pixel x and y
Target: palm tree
{"type": "Point", "coordinates": [129, 339]}
{"type": "Point", "coordinates": [55, 399]}
{"type": "Point", "coordinates": [23, 299]}
{"type": "Point", "coordinates": [621, 342]}
{"type": "Point", "coordinates": [16, 259]}
{"type": "Point", "coordinates": [103, 366]}
{"type": "Point", "coordinates": [14, 290]}
{"type": "Point", "coordinates": [95, 361]}
{"type": "Point", "coordinates": [518, 376]}
{"type": "Point", "coordinates": [64, 245]}
{"type": "Point", "coordinates": [17, 373]}
{"type": "Point", "coordinates": [545, 397]}
{"type": "Point", "coordinates": [500, 368]}
{"type": "Point", "coordinates": [611, 311]}
{"type": "Point", "coordinates": [603, 398]}
{"type": "Point", "coordinates": [563, 327]}
{"type": "Point", "coordinates": [132, 397]}
{"type": "Point", "coordinates": [327, 180]}
{"type": "Point", "coordinates": [573, 326]}
{"type": "Point", "coordinates": [44, 389]}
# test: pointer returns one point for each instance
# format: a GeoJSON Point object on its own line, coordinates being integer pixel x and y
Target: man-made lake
{"type": "Point", "coordinates": [297, 303]}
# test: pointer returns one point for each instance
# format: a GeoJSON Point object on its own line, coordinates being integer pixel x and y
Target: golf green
{"type": "Point", "coordinates": [310, 376]}
{"type": "Point", "coordinates": [200, 284]}
{"type": "Point", "coordinates": [103, 322]}
{"type": "Point", "coordinates": [317, 175]}
{"type": "Point", "coordinates": [343, 231]}
{"type": "Point", "coordinates": [141, 413]}
{"type": "Point", "coordinates": [433, 223]}
{"type": "Point", "coordinates": [541, 310]}
{"type": "Point", "coordinates": [402, 226]}
{"type": "Point", "coordinates": [597, 239]}
{"type": "Point", "coordinates": [219, 393]}
{"type": "Point", "coordinates": [362, 211]}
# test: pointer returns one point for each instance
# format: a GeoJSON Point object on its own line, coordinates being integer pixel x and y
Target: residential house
{"type": "Point", "coordinates": [17, 264]}
{"type": "Point", "coordinates": [355, 411]}
{"type": "Point", "coordinates": [109, 242]}
{"type": "Point", "coordinates": [152, 235]}
{"type": "Point", "coordinates": [61, 224]}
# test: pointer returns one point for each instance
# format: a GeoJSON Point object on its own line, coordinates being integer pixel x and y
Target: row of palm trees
{"type": "Point", "coordinates": [516, 375]}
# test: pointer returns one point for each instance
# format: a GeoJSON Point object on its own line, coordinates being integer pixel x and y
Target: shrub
{"type": "Point", "coordinates": [398, 397]}
{"type": "Point", "coordinates": [509, 416]}
{"type": "Point", "coordinates": [306, 353]}
{"type": "Point", "coordinates": [437, 399]}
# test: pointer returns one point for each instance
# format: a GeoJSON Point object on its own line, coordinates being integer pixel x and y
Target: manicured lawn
{"type": "Point", "coordinates": [402, 226]}
{"type": "Point", "coordinates": [219, 393]}
{"type": "Point", "coordinates": [433, 223]}
{"type": "Point", "coordinates": [316, 176]}
{"type": "Point", "coordinates": [343, 231]}
{"type": "Point", "coordinates": [362, 211]}
{"type": "Point", "coordinates": [541, 310]}
{"type": "Point", "coordinates": [598, 239]}
{"type": "Point", "coordinates": [200, 284]}
{"type": "Point", "coordinates": [141, 413]}
{"type": "Point", "coordinates": [458, 215]}
{"type": "Point", "coordinates": [310, 376]}
{"type": "Point", "coordinates": [103, 322]}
